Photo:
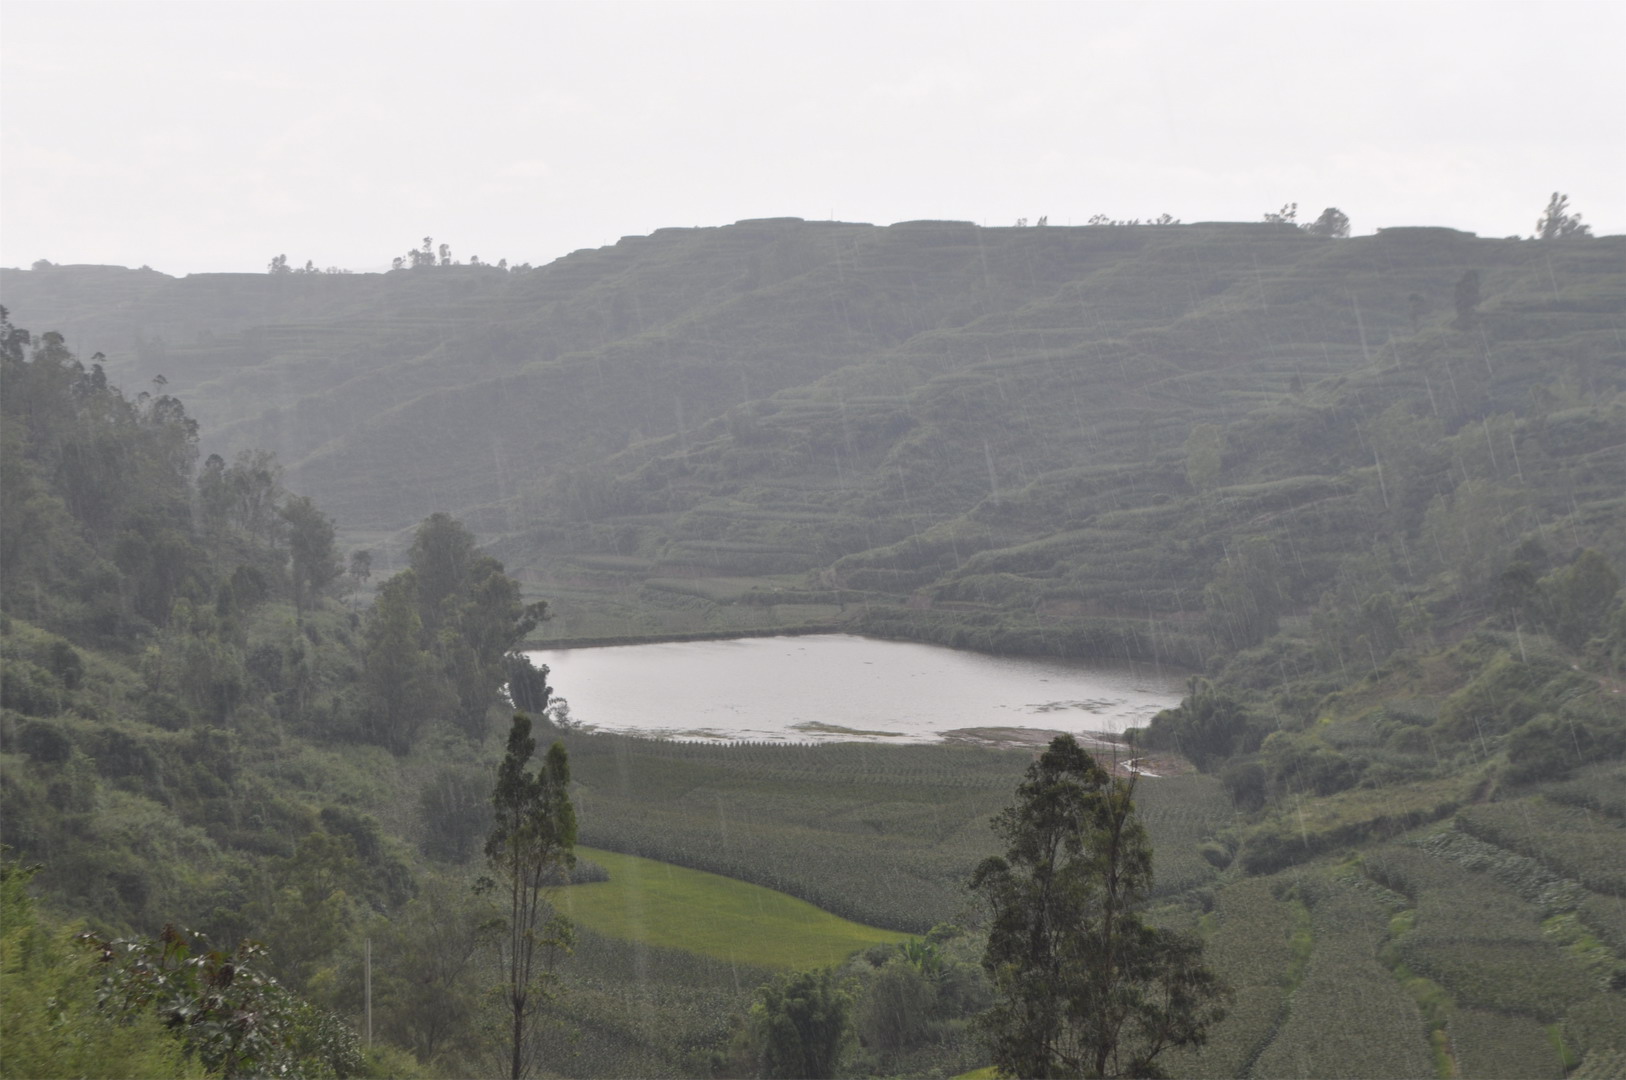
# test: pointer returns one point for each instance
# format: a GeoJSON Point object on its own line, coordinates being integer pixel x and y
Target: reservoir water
{"type": "Point", "coordinates": [835, 687]}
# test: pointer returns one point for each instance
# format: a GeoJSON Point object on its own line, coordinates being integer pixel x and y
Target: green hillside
{"type": "Point", "coordinates": [1372, 491]}
{"type": "Point", "coordinates": [997, 437]}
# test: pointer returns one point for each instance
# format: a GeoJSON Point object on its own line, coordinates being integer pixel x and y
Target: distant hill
{"type": "Point", "coordinates": [1045, 439]}
{"type": "Point", "coordinates": [1374, 490]}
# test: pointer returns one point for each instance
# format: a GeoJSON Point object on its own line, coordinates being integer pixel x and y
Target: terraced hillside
{"type": "Point", "coordinates": [784, 423]}
{"type": "Point", "coordinates": [1440, 953]}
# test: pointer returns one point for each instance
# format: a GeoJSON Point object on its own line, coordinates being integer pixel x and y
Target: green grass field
{"type": "Point", "coordinates": [665, 905]}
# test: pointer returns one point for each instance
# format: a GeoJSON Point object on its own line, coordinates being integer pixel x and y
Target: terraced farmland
{"type": "Point", "coordinates": [883, 835]}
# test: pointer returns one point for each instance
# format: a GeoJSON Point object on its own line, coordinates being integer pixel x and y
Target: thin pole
{"type": "Point", "coordinates": [367, 981]}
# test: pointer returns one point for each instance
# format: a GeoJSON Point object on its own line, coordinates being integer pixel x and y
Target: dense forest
{"type": "Point", "coordinates": [1370, 492]}
{"type": "Point", "coordinates": [195, 713]}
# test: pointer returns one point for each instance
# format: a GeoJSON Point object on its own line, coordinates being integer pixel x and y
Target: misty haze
{"type": "Point", "coordinates": [702, 540]}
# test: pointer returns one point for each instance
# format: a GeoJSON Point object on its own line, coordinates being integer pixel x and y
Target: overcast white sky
{"type": "Point", "coordinates": [210, 136]}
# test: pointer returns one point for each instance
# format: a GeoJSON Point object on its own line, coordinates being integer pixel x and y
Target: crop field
{"type": "Point", "coordinates": [1452, 902]}
{"type": "Point", "coordinates": [673, 907]}
{"type": "Point", "coordinates": [1260, 942]}
{"type": "Point", "coordinates": [1600, 787]}
{"type": "Point", "coordinates": [883, 846]}
{"type": "Point", "coordinates": [1605, 916]}
{"type": "Point", "coordinates": [1304, 828]}
{"type": "Point", "coordinates": [1577, 843]}
{"type": "Point", "coordinates": [1495, 1044]}
{"type": "Point", "coordinates": [1595, 1031]}
{"type": "Point", "coordinates": [883, 835]}
{"type": "Point", "coordinates": [1522, 991]}
{"type": "Point", "coordinates": [627, 1008]}
{"type": "Point", "coordinates": [1348, 1017]}
{"type": "Point", "coordinates": [1180, 812]}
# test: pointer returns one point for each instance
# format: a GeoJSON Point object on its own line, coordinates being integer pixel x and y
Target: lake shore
{"type": "Point", "coordinates": [1105, 746]}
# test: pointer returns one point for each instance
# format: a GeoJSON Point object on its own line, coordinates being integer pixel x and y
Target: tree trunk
{"type": "Point", "coordinates": [519, 1037]}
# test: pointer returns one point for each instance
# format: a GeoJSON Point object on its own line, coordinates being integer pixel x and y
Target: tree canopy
{"type": "Point", "coordinates": [1557, 223]}
{"type": "Point", "coordinates": [531, 844]}
{"type": "Point", "coordinates": [1085, 988]}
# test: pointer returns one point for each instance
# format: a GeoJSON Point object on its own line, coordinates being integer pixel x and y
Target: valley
{"type": "Point", "coordinates": [1361, 501]}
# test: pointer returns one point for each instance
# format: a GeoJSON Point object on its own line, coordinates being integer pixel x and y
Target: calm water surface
{"type": "Point", "coordinates": [836, 687]}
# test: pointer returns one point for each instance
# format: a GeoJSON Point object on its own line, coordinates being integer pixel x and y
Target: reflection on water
{"type": "Point", "coordinates": [834, 687]}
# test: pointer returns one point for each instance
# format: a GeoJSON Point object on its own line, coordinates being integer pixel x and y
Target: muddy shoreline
{"type": "Point", "coordinates": [1108, 748]}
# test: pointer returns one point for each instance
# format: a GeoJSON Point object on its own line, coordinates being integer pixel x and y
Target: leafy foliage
{"type": "Point", "coordinates": [800, 1026]}
{"type": "Point", "coordinates": [1084, 987]}
{"type": "Point", "coordinates": [237, 1020]}
{"type": "Point", "coordinates": [52, 1022]}
{"type": "Point", "coordinates": [1333, 223]}
{"type": "Point", "coordinates": [534, 837]}
{"type": "Point", "coordinates": [426, 982]}
{"type": "Point", "coordinates": [1208, 726]}
{"type": "Point", "coordinates": [1557, 223]}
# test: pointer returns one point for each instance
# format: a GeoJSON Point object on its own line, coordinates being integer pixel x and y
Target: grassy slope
{"type": "Point", "coordinates": [672, 907]}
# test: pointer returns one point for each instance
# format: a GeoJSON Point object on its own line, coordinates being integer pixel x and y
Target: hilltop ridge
{"type": "Point", "coordinates": [688, 425]}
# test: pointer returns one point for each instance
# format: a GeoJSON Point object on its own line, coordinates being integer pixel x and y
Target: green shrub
{"type": "Point", "coordinates": [46, 742]}
{"type": "Point", "coordinates": [51, 1022]}
{"type": "Point", "coordinates": [1551, 747]}
{"type": "Point", "coordinates": [1210, 725]}
{"type": "Point", "coordinates": [1505, 694]}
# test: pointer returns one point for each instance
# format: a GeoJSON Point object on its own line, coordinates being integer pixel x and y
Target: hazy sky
{"type": "Point", "coordinates": [211, 136]}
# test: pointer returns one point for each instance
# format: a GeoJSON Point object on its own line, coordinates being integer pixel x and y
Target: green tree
{"type": "Point", "coordinates": [442, 557]}
{"type": "Point", "coordinates": [1557, 223]}
{"type": "Point", "coordinates": [1580, 597]}
{"type": "Point", "coordinates": [527, 684]}
{"type": "Point", "coordinates": [315, 559]}
{"type": "Point", "coordinates": [255, 481]}
{"type": "Point", "coordinates": [1467, 299]}
{"type": "Point", "coordinates": [1517, 596]}
{"type": "Point", "coordinates": [1083, 986]}
{"type": "Point", "coordinates": [1245, 599]}
{"type": "Point", "coordinates": [454, 809]}
{"type": "Point", "coordinates": [533, 841]}
{"type": "Point", "coordinates": [1469, 531]}
{"type": "Point", "coordinates": [400, 686]}
{"type": "Point", "coordinates": [1208, 726]}
{"type": "Point", "coordinates": [1332, 224]}
{"type": "Point", "coordinates": [361, 568]}
{"type": "Point", "coordinates": [799, 1025]}
{"type": "Point", "coordinates": [305, 906]}
{"type": "Point", "coordinates": [426, 971]}
{"type": "Point", "coordinates": [472, 616]}
{"type": "Point", "coordinates": [894, 1013]}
